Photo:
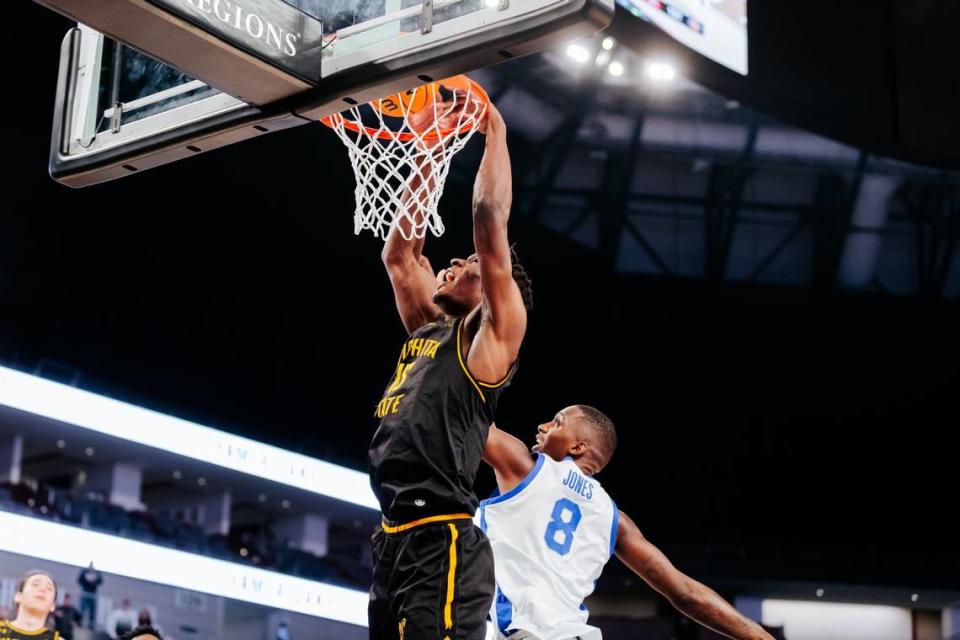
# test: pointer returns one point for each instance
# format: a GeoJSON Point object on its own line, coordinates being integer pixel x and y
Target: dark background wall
{"type": "Point", "coordinates": [229, 289]}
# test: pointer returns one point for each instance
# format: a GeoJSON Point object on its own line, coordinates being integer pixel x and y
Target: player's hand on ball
{"type": "Point", "coordinates": [491, 117]}
{"type": "Point", "coordinates": [437, 121]}
{"type": "Point", "coordinates": [421, 121]}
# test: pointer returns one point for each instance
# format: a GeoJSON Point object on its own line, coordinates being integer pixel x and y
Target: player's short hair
{"type": "Point", "coordinates": [522, 278]}
{"type": "Point", "coordinates": [605, 434]}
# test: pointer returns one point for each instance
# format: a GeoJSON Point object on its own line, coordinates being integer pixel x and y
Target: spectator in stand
{"type": "Point", "coordinates": [90, 580]}
{"type": "Point", "coordinates": [34, 600]}
{"type": "Point", "coordinates": [145, 619]}
{"type": "Point", "coordinates": [283, 631]}
{"type": "Point", "coordinates": [122, 620]}
{"type": "Point", "coordinates": [144, 632]}
{"type": "Point", "coordinates": [66, 618]}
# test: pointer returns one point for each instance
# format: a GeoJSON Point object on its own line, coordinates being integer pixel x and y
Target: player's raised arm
{"type": "Point", "coordinates": [410, 272]}
{"type": "Point", "coordinates": [509, 457]}
{"type": "Point", "coordinates": [504, 318]}
{"type": "Point", "coordinates": [694, 599]}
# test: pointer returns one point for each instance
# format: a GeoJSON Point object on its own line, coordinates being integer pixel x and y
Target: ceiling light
{"type": "Point", "coordinates": [89, 451]}
{"type": "Point", "coordinates": [615, 69]}
{"type": "Point", "coordinates": [608, 43]}
{"type": "Point", "coordinates": [661, 71]}
{"type": "Point", "coordinates": [578, 52]}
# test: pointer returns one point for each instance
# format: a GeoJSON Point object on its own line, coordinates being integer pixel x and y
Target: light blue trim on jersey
{"type": "Point", "coordinates": [613, 530]}
{"type": "Point", "coordinates": [497, 498]}
{"type": "Point", "coordinates": [583, 605]}
{"type": "Point", "coordinates": [504, 609]}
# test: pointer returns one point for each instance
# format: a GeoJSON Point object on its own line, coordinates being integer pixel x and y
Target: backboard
{"type": "Point", "coordinates": [172, 78]}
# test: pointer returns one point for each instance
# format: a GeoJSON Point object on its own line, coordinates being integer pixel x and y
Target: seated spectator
{"type": "Point", "coordinates": [122, 620]}
{"type": "Point", "coordinates": [66, 618]}
{"type": "Point", "coordinates": [34, 600]}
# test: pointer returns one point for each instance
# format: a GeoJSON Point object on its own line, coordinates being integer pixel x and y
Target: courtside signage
{"type": "Point", "coordinates": [195, 441]}
{"type": "Point", "coordinates": [270, 29]}
{"type": "Point", "coordinates": [56, 542]}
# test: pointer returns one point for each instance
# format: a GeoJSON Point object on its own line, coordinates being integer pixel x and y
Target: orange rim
{"type": "Point", "coordinates": [476, 91]}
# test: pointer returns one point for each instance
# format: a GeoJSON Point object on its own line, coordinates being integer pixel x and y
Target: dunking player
{"type": "Point", "coordinates": [433, 569]}
{"type": "Point", "coordinates": [553, 528]}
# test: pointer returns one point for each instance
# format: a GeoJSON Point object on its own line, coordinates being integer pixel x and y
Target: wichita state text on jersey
{"type": "Point", "coordinates": [434, 418]}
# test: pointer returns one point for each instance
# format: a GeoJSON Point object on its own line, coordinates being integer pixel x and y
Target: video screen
{"type": "Point", "coordinates": [716, 29]}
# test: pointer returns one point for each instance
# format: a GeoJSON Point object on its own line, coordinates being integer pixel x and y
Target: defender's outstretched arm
{"type": "Point", "coordinates": [694, 599]}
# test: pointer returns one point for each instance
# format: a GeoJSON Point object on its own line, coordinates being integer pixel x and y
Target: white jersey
{"type": "Point", "coordinates": [551, 537]}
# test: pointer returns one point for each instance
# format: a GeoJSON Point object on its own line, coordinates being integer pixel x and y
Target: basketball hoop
{"type": "Point", "coordinates": [401, 147]}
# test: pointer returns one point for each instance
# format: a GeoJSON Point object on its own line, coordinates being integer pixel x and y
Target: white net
{"type": "Point", "coordinates": [401, 147]}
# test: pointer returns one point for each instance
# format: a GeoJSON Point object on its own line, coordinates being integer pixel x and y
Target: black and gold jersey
{"type": "Point", "coordinates": [7, 630]}
{"type": "Point", "coordinates": [434, 419]}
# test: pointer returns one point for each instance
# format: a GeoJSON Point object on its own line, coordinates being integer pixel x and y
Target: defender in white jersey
{"type": "Point", "coordinates": [553, 527]}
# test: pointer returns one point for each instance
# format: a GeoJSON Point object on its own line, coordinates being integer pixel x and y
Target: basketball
{"type": "Point", "coordinates": [406, 102]}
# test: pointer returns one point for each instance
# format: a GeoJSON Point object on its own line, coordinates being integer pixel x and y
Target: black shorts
{"type": "Point", "coordinates": [431, 582]}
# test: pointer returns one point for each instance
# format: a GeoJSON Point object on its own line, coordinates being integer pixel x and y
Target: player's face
{"type": "Point", "coordinates": [38, 595]}
{"type": "Point", "coordinates": [557, 437]}
{"type": "Point", "coordinates": [458, 286]}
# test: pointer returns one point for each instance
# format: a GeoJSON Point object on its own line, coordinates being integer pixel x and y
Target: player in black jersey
{"type": "Point", "coordinates": [433, 569]}
{"type": "Point", "coordinates": [35, 599]}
